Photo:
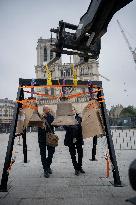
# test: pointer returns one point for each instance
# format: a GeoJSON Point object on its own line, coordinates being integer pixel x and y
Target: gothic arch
{"type": "Point", "coordinates": [51, 54]}
{"type": "Point", "coordinates": [45, 54]}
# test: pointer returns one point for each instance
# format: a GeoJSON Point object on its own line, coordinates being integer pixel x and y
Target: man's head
{"type": "Point", "coordinates": [74, 110]}
{"type": "Point", "coordinates": [46, 109]}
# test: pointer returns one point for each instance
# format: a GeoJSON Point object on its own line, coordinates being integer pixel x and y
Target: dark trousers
{"type": "Point", "coordinates": [46, 161]}
{"type": "Point", "coordinates": [72, 149]}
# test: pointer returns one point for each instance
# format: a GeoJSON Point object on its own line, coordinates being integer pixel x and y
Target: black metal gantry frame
{"type": "Point", "coordinates": [20, 96]}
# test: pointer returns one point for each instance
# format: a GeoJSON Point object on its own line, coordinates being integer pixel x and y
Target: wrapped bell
{"type": "Point", "coordinates": [20, 123]}
{"type": "Point", "coordinates": [32, 117]}
{"type": "Point", "coordinates": [92, 120]}
{"type": "Point", "coordinates": [28, 114]}
{"type": "Point", "coordinates": [64, 114]}
{"type": "Point", "coordinates": [35, 120]}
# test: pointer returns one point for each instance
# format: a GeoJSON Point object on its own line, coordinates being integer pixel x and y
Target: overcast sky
{"type": "Point", "coordinates": [22, 22]}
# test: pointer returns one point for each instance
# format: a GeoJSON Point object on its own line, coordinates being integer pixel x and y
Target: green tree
{"type": "Point", "coordinates": [129, 111]}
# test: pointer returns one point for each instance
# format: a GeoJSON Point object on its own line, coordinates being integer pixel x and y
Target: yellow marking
{"type": "Point", "coordinates": [74, 72]}
{"type": "Point", "coordinates": [49, 80]}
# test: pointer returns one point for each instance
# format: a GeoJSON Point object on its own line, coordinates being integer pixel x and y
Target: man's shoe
{"type": "Point", "coordinates": [46, 174]}
{"type": "Point", "coordinates": [76, 172]}
{"type": "Point", "coordinates": [50, 171]}
{"type": "Point", "coordinates": [82, 171]}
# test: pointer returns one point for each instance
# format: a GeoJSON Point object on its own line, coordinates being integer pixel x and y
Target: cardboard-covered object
{"type": "Point", "coordinates": [20, 123]}
{"type": "Point", "coordinates": [35, 120]}
{"type": "Point", "coordinates": [28, 114]}
{"type": "Point", "coordinates": [92, 122]}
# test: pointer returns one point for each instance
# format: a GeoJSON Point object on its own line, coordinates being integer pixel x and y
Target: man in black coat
{"type": "Point", "coordinates": [74, 140]}
{"type": "Point", "coordinates": [46, 161]}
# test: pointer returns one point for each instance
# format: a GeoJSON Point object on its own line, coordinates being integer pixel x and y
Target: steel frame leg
{"type": "Point", "coordinates": [94, 148]}
{"type": "Point", "coordinates": [116, 176]}
{"type": "Point", "coordinates": [5, 174]}
{"type": "Point", "coordinates": [24, 146]}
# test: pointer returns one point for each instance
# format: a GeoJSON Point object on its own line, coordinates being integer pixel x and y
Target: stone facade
{"type": "Point", "coordinates": [44, 55]}
{"type": "Point", "coordinates": [85, 71]}
{"type": "Point", "coordinates": [6, 113]}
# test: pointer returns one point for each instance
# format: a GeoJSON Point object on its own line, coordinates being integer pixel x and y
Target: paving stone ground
{"type": "Point", "coordinates": [27, 184]}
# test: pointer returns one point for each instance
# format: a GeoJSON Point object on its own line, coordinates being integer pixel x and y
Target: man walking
{"type": "Point", "coordinates": [74, 140]}
{"type": "Point", "coordinates": [46, 161]}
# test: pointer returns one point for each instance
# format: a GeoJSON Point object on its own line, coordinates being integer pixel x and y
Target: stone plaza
{"type": "Point", "coordinates": [27, 184]}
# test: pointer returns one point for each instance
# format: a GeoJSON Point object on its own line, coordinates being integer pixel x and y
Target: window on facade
{"type": "Point", "coordinates": [86, 71]}
{"type": "Point", "coordinates": [51, 55]}
{"type": "Point", "coordinates": [68, 72]}
{"type": "Point", "coordinates": [45, 54]}
{"type": "Point", "coordinates": [64, 73]}
{"type": "Point", "coordinates": [81, 71]}
{"type": "Point", "coordinates": [61, 73]}
{"type": "Point", "coordinates": [81, 59]}
{"type": "Point", "coordinates": [0, 111]}
{"type": "Point", "coordinates": [5, 113]}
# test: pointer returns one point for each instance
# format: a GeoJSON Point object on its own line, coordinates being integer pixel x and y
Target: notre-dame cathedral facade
{"type": "Point", "coordinates": [85, 71]}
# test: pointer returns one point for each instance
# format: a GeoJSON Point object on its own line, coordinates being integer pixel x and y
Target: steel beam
{"type": "Point", "coordinates": [4, 180]}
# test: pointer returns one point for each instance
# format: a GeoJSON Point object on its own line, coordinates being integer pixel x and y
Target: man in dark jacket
{"type": "Point", "coordinates": [74, 140]}
{"type": "Point", "coordinates": [46, 161]}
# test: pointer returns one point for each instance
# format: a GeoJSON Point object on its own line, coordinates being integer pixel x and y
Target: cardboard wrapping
{"type": "Point", "coordinates": [28, 117]}
{"type": "Point", "coordinates": [28, 114]}
{"type": "Point", "coordinates": [20, 122]}
{"type": "Point", "coordinates": [32, 117]}
{"type": "Point", "coordinates": [64, 120]}
{"type": "Point", "coordinates": [35, 120]}
{"type": "Point", "coordinates": [92, 122]}
{"type": "Point", "coordinates": [64, 114]}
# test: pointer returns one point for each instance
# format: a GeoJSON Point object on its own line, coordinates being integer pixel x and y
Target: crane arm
{"type": "Point", "coordinates": [124, 35]}
{"type": "Point", "coordinates": [86, 40]}
{"type": "Point", "coordinates": [133, 52]}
